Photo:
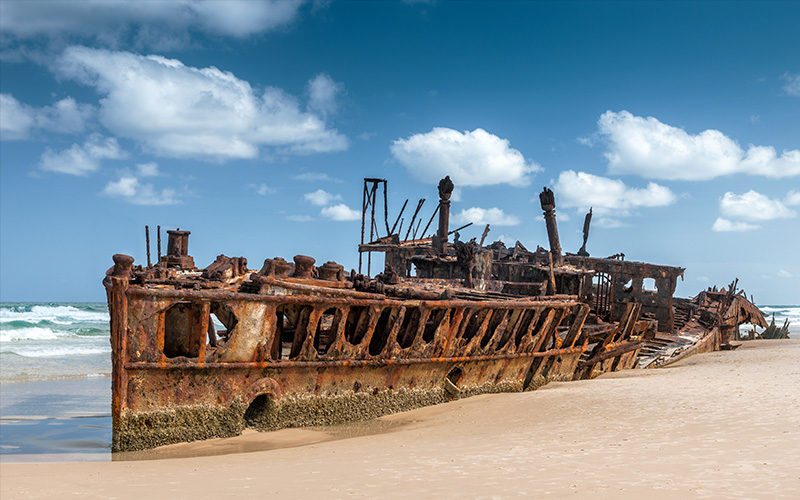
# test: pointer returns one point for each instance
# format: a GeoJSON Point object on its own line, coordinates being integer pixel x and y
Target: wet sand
{"type": "Point", "coordinates": [718, 425]}
{"type": "Point", "coordinates": [56, 420]}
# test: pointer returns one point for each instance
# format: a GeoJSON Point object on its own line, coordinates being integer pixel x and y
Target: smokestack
{"type": "Point", "coordinates": [445, 191]}
{"type": "Point", "coordinates": [548, 201]}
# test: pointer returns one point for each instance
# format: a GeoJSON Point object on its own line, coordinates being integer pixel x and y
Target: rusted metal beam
{"type": "Point", "coordinates": [413, 218]}
{"type": "Point", "coordinates": [613, 353]}
{"type": "Point", "coordinates": [398, 217]}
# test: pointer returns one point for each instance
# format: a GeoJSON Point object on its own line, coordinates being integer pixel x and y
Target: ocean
{"type": "Point", "coordinates": [51, 341]}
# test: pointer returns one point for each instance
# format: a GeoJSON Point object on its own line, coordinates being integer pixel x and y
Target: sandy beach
{"type": "Point", "coordinates": [718, 425]}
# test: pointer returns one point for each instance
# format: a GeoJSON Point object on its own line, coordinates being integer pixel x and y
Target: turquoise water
{"type": "Point", "coordinates": [47, 341]}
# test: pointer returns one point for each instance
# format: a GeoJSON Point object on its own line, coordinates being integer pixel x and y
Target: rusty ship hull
{"type": "Point", "coordinates": [350, 355]}
{"type": "Point", "coordinates": [203, 353]}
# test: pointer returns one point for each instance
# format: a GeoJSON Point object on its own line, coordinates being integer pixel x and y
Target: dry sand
{"type": "Point", "coordinates": [718, 425]}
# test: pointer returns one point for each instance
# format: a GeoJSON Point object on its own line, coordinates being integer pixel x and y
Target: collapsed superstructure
{"type": "Point", "coordinates": [200, 353]}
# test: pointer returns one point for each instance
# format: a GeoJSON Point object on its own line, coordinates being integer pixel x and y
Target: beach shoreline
{"type": "Point", "coordinates": [716, 425]}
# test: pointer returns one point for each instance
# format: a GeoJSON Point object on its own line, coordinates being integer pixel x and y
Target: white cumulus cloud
{"type": "Point", "coordinates": [149, 169]}
{"type": "Point", "coordinates": [753, 206]}
{"type": "Point", "coordinates": [724, 225]}
{"type": "Point", "coordinates": [18, 120]}
{"type": "Point", "coordinates": [322, 93]}
{"type": "Point", "coordinates": [182, 111]}
{"type": "Point", "coordinates": [652, 149]}
{"type": "Point", "coordinates": [341, 212]}
{"type": "Point", "coordinates": [150, 23]}
{"type": "Point", "coordinates": [482, 216]}
{"type": "Point", "coordinates": [132, 190]}
{"type": "Point", "coordinates": [82, 159]}
{"type": "Point", "coordinates": [475, 158]}
{"type": "Point", "coordinates": [737, 211]}
{"type": "Point", "coordinates": [321, 197]}
{"type": "Point", "coordinates": [607, 196]}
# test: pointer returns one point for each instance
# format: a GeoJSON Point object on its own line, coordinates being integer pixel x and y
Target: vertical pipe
{"type": "Point", "coordinates": [159, 243]}
{"type": "Point", "coordinates": [373, 195]}
{"type": "Point", "coordinates": [147, 239]}
{"type": "Point", "coordinates": [363, 220]}
{"type": "Point", "coordinates": [386, 209]}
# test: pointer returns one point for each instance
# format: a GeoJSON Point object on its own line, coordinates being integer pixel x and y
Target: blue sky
{"type": "Point", "coordinates": [252, 124]}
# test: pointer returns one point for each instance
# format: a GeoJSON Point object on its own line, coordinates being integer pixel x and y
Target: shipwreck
{"type": "Point", "coordinates": [202, 353]}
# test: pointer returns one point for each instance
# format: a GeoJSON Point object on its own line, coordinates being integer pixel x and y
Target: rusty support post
{"type": "Point", "coordinates": [147, 239]}
{"type": "Point", "coordinates": [159, 243]}
{"type": "Point", "coordinates": [119, 326]}
{"type": "Point", "coordinates": [372, 228]}
{"type": "Point", "coordinates": [547, 199]}
{"type": "Point", "coordinates": [445, 191]}
{"type": "Point", "coordinates": [363, 219]}
{"type": "Point", "coordinates": [368, 201]}
{"type": "Point", "coordinates": [386, 208]}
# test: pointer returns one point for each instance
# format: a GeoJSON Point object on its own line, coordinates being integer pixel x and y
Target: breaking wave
{"type": "Point", "coordinates": [55, 351]}
{"type": "Point", "coordinates": [28, 333]}
{"type": "Point", "coordinates": [50, 341]}
{"type": "Point", "coordinates": [54, 313]}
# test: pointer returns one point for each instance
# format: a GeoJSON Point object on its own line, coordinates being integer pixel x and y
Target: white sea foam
{"type": "Point", "coordinates": [30, 333]}
{"type": "Point", "coordinates": [57, 314]}
{"type": "Point", "coordinates": [781, 314]}
{"type": "Point", "coordinates": [56, 351]}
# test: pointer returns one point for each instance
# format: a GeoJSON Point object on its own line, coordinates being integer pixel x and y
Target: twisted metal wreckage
{"type": "Point", "coordinates": [303, 345]}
